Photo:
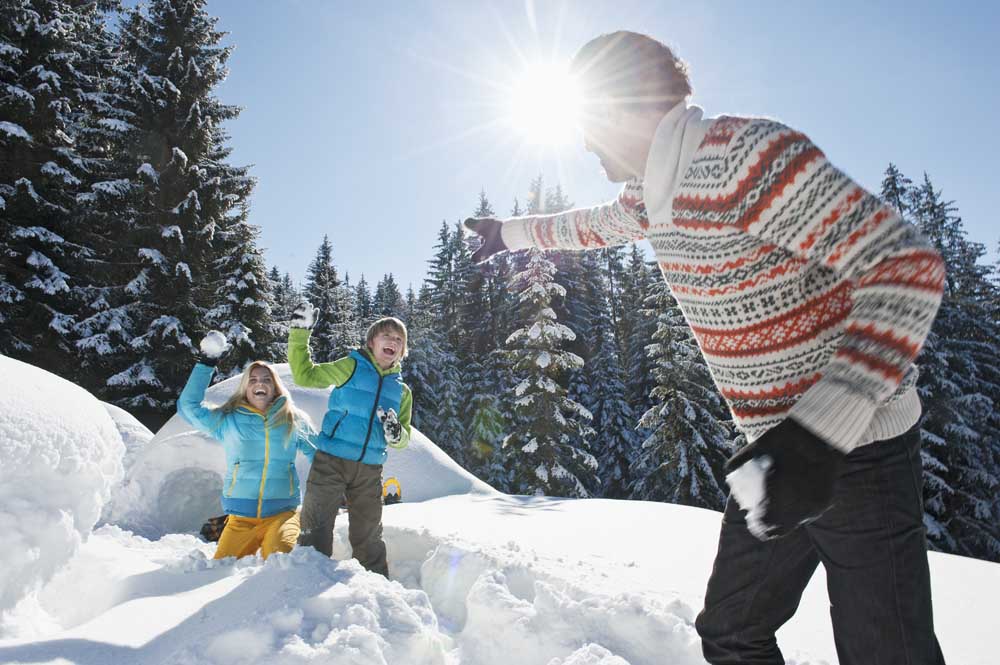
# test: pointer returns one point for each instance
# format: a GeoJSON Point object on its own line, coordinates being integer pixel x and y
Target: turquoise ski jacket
{"type": "Point", "coordinates": [260, 476]}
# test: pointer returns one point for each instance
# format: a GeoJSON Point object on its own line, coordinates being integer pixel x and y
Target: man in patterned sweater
{"type": "Point", "coordinates": [809, 299]}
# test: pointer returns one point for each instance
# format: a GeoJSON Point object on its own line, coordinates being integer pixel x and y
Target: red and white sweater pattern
{"type": "Point", "coordinates": [807, 295]}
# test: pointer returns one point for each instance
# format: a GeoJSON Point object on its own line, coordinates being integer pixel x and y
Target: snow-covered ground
{"type": "Point", "coordinates": [478, 577]}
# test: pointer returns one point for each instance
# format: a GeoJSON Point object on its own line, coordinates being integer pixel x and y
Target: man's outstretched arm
{"type": "Point", "coordinates": [613, 223]}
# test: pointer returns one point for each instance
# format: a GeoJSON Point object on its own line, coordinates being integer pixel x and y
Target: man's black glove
{"type": "Point", "coordinates": [784, 479]}
{"type": "Point", "coordinates": [489, 230]}
{"type": "Point", "coordinates": [213, 346]}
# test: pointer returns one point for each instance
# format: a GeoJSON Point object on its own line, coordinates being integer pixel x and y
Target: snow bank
{"type": "Point", "coordinates": [173, 485]}
{"type": "Point", "coordinates": [505, 605]}
{"type": "Point", "coordinates": [134, 434]}
{"type": "Point", "coordinates": [61, 456]}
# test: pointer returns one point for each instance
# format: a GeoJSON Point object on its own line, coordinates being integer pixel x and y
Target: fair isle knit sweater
{"type": "Point", "coordinates": [807, 296]}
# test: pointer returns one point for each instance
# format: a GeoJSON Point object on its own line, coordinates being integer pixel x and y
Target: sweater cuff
{"type": "Point", "coordinates": [835, 413]}
{"type": "Point", "coordinates": [514, 233]}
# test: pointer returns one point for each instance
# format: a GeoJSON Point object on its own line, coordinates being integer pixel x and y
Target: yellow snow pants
{"type": "Point", "coordinates": [243, 536]}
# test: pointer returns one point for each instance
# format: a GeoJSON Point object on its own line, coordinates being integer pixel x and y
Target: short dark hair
{"type": "Point", "coordinates": [631, 69]}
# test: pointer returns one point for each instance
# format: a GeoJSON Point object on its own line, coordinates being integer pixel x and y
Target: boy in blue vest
{"type": "Point", "coordinates": [369, 410]}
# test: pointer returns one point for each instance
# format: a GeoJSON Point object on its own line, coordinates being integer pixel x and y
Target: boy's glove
{"type": "Point", "coordinates": [784, 479]}
{"type": "Point", "coordinates": [304, 316]}
{"type": "Point", "coordinates": [489, 230]}
{"type": "Point", "coordinates": [213, 346]}
{"type": "Point", "coordinates": [390, 425]}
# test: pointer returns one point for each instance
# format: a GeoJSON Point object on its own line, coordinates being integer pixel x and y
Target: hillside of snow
{"type": "Point", "coordinates": [478, 577]}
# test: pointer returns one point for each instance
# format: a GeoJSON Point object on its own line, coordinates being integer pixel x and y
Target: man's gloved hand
{"type": "Point", "coordinates": [213, 346]}
{"type": "Point", "coordinates": [390, 425]}
{"type": "Point", "coordinates": [489, 230]}
{"type": "Point", "coordinates": [304, 316]}
{"type": "Point", "coordinates": [784, 479]}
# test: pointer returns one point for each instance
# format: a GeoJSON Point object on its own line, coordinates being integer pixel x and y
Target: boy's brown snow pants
{"type": "Point", "coordinates": [331, 479]}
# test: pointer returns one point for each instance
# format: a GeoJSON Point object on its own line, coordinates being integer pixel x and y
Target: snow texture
{"type": "Point", "coordinates": [748, 486]}
{"type": "Point", "coordinates": [478, 577]}
{"type": "Point", "coordinates": [14, 130]}
{"type": "Point", "coordinates": [62, 455]}
{"type": "Point", "coordinates": [214, 344]}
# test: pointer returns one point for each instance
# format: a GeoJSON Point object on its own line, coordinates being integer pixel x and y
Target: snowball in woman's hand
{"type": "Point", "coordinates": [214, 344]}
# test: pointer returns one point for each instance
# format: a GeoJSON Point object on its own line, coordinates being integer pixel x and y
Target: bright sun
{"type": "Point", "coordinates": [545, 105]}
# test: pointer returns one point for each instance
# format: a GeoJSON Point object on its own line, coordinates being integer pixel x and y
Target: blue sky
{"type": "Point", "coordinates": [372, 124]}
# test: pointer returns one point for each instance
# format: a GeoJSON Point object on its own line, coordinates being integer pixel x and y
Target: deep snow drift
{"type": "Point", "coordinates": [61, 455]}
{"type": "Point", "coordinates": [479, 578]}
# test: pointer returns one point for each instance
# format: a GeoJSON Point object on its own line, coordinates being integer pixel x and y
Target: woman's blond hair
{"type": "Point", "coordinates": [288, 414]}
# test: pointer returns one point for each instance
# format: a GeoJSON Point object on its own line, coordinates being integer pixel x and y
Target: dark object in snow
{"type": "Point", "coordinates": [395, 496]}
{"type": "Point", "coordinates": [212, 529]}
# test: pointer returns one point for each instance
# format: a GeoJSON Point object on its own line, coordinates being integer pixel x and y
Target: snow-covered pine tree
{"type": "Point", "coordinates": [443, 290]}
{"type": "Point", "coordinates": [897, 190]}
{"type": "Point", "coordinates": [599, 385]}
{"type": "Point", "coordinates": [960, 390]}
{"type": "Point", "coordinates": [285, 298]}
{"type": "Point", "coordinates": [364, 310]}
{"type": "Point", "coordinates": [636, 327]}
{"type": "Point", "coordinates": [429, 371]}
{"type": "Point", "coordinates": [333, 334]}
{"type": "Point", "coordinates": [959, 382]}
{"type": "Point", "coordinates": [244, 305]}
{"type": "Point", "coordinates": [179, 193]}
{"type": "Point", "coordinates": [388, 301]}
{"type": "Point", "coordinates": [547, 451]}
{"type": "Point", "coordinates": [54, 57]}
{"type": "Point", "coordinates": [681, 461]}
{"type": "Point", "coordinates": [483, 309]}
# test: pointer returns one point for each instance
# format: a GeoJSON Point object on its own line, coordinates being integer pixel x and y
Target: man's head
{"type": "Point", "coordinates": [386, 339]}
{"type": "Point", "coordinates": [628, 83]}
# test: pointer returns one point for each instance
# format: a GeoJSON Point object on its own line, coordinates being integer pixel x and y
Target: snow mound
{"type": "Point", "coordinates": [504, 606]}
{"type": "Point", "coordinates": [134, 434]}
{"type": "Point", "coordinates": [62, 455]}
{"type": "Point", "coordinates": [174, 483]}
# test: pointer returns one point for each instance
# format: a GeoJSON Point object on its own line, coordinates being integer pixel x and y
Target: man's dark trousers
{"type": "Point", "coordinates": [873, 546]}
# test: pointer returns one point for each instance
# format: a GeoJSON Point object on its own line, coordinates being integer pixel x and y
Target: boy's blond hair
{"type": "Point", "coordinates": [388, 323]}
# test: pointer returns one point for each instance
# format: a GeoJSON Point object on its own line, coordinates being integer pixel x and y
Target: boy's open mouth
{"type": "Point", "coordinates": [388, 351]}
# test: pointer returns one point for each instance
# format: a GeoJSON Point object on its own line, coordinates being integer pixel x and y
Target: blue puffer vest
{"type": "Point", "coordinates": [351, 429]}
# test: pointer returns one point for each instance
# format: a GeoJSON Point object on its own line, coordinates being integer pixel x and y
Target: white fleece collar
{"type": "Point", "coordinates": [677, 137]}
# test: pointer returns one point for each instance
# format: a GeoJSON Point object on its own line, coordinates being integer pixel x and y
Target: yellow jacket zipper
{"type": "Point", "coordinates": [263, 475]}
{"type": "Point", "coordinates": [232, 485]}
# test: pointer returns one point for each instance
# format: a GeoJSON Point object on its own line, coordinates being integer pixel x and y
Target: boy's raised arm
{"type": "Point", "coordinates": [308, 374]}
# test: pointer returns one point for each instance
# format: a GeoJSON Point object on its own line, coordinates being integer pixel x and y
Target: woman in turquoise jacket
{"type": "Point", "coordinates": [261, 431]}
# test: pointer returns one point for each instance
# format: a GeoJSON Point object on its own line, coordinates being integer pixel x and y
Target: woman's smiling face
{"type": "Point", "coordinates": [260, 389]}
